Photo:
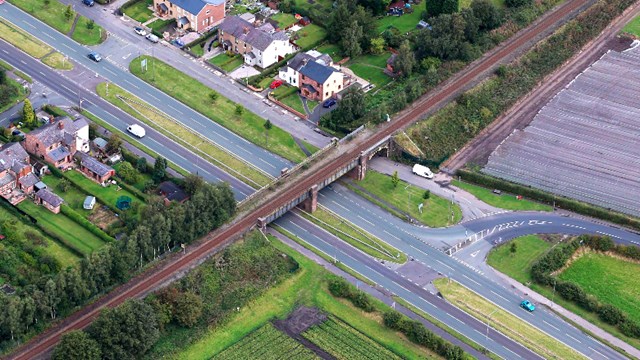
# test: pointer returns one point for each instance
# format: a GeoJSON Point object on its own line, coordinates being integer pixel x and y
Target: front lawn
{"type": "Point", "coordinates": [226, 62]}
{"type": "Point", "coordinates": [160, 25]}
{"type": "Point", "coordinates": [518, 265]}
{"type": "Point", "coordinates": [436, 211]}
{"type": "Point", "coordinates": [310, 35]}
{"type": "Point", "coordinates": [86, 36]}
{"type": "Point", "coordinates": [196, 95]}
{"type": "Point", "coordinates": [52, 14]}
{"type": "Point", "coordinates": [139, 11]}
{"type": "Point", "coordinates": [284, 20]}
{"type": "Point", "coordinates": [295, 102]}
{"type": "Point", "coordinates": [404, 23]}
{"type": "Point", "coordinates": [371, 67]}
{"type": "Point", "coordinates": [503, 201]}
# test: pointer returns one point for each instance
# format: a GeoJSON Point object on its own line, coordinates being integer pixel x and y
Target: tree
{"type": "Point", "coordinates": [405, 61]}
{"type": "Point", "coordinates": [91, 25]}
{"type": "Point", "coordinates": [46, 3]}
{"type": "Point", "coordinates": [513, 247]}
{"type": "Point", "coordinates": [68, 13]}
{"type": "Point", "coordinates": [12, 313]}
{"type": "Point", "coordinates": [63, 185]}
{"type": "Point", "coordinates": [141, 164]}
{"type": "Point", "coordinates": [426, 195]}
{"type": "Point", "coordinates": [346, 117]}
{"type": "Point", "coordinates": [114, 143]}
{"type": "Point", "coordinates": [128, 173]}
{"type": "Point", "coordinates": [377, 45]}
{"type": "Point", "coordinates": [517, 3]}
{"type": "Point", "coordinates": [239, 109]}
{"type": "Point", "coordinates": [76, 345]}
{"type": "Point", "coordinates": [3, 76]}
{"type": "Point", "coordinates": [193, 183]}
{"type": "Point", "coordinates": [267, 127]}
{"type": "Point", "coordinates": [351, 40]}
{"type": "Point", "coordinates": [51, 297]}
{"type": "Point", "coordinates": [450, 6]}
{"type": "Point", "coordinates": [187, 309]}
{"type": "Point", "coordinates": [395, 179]}
{"type": "Point", "coordinates": [28, 116]}
{"type": "Point", "coordinates": [159, 169]}
{"type": "Point", "coordinates": [213, 96]}
{"type": "Point", "coordinates": [487, 13]}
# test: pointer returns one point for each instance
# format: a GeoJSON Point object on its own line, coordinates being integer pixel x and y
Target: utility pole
{"type": "Point", "coordinates": [488, 320]}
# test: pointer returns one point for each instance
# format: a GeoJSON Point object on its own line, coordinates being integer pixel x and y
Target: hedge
{"type": "Point", "coordinates": [339, 287]}
{"type": "Point", "coordinates": [548, 198]}
{"type": "Point", "coordinates": [73, 215]}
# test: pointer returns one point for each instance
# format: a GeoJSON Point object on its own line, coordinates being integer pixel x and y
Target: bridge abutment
{"type": "Point", "coordinates": [360, 171]}
{"type": "Point", "coordinates": [311, 203]}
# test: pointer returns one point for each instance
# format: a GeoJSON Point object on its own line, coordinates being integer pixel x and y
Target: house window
{"type": "Point", "coordinates": [303, 77]}
{"type": "Point", "coordinates": [327, 93]}
{"type": "Point", "coordinates": [339, 87]}
{"type": "Point", "coordinates": [208, 12]}
{"type": "Point", "coordinates": [170, 12]}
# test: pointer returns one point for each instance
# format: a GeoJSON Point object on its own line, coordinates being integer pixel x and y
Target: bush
{"type": "Point", "coordinates": [610, 314]}
{"type": "Point", "coordinates": [82, 221]}
{"type": "Point", "coordinates": [392, 319]}
{"type": "Point", "coordinates": [363, 301]}
{"type": "Point", "coordinates": [339, 287]}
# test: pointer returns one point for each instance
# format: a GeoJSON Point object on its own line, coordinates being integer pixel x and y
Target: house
{"type": "Point", "coordinates": [319, 82]}
{"type": "Point", "coordinates": [260, 46]}
{"type": "Point", "coordinates": [94, 169]}
{"type": "Point", "coordinates": [304, 21]}
{"type": "Point", "coordinates": [195, 15]}
{"type": "Point", "coordinates": [248, 17]}
{"type": "Point", "coordinates": [172, 192]}
{"type": "Point", "coordinates": [49, 200]}
{"type": "Point", "coordinates": [290, 72]}
{"type": "Point", "coordinates": [16, 173]}
{"type": "Point", "coordinates": [57, 142]}
{"type": "Point", "coordinates": [101, 144]}
{"type": "Point", "coordinates": [89, 202]}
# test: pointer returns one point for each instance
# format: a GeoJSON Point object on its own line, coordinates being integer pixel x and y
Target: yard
{"type": "Point", "coordinates": [331, 50]}
{"type": "Point", "coordinates": [107, 195]}
{"type": "Point", "coordinates": [436, 211]}
{"type": "Point", "coordinates": [288, 95]}
{"type": "Point", "coordinates": [503, 201]}
{"type": "Point", "coordinates": [518, 265]}
{"type": "Point", "coordinates": [62, 227]}
{"type": "Point", "coordinates": [143, 178]}
{"type": "Point", "coordinates": [310, 36]}
{"type": "Point", "coordinates": [139, 10]}
{"type": "Point", "coordinates": [371, 67]}
{"type": "Point", "coordinates": [226, 62]}
{"type": "Point", "coordinates": [87, 36]}
{"type": "Point", "coordinates": [160, 25]}
{"type": "Point", "coordinates": [196, 95]}
{"type": "Point", "coordinates": [403, 23]}
{"type": "Point", "coordinates": [284, 20]}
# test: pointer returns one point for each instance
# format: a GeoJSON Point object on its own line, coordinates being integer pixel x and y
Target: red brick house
{"type": "Point", "coordinates": [16, 173]}
{"type": "Point", "coordinates": [320, 82]}
{"type": "Point", "coordinates": [94, 169]}
{"type": "Point", "coordinates": [57, 142]}
{"type": "Point", "coordinates": [49, 200]}
{"type": "Point", "coordinates": [195, 15]}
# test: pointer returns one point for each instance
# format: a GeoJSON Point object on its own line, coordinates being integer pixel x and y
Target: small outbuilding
{"type": "Point", "coordinates": [89, 203]}
{"type": "Point", "coordinates": [49, 200]}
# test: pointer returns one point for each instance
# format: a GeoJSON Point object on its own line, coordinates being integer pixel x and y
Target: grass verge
{"type": "Point", "coordinates": [196, 95]}
{"type": "Point", "coordinates": [57, 61]}
{"type": "Point", "coordinates": [23, 40]}
{"type": "Point", "coordinates": [51, 12]}
{"type": "Point", "coordinates": [86, 36]}
{"type": "Point", "coordinates": [505, 322]}
{"type": "Point", "coordinates": [518, 264]}
{"type": "Point", "coordinates": [183, 136]}
{"type": "Point", "coordinates": [503, 201]}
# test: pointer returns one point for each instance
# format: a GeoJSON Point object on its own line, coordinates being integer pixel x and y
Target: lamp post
{"type": "Point", "coordinates": [488, 320]}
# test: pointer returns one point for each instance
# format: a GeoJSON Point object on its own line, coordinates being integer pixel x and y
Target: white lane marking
{"type": "Point", "coordinates": [443, 264]}
{"type": "Point", "coordinates": [71, 91]}
{"type": "Point", "coordinates": [367, 221]}
{"type": "Point", "coordinates": [5, 51]}
{"type": "Point", "coordinates": [41, 73]}
{"type": "Point", "coordinates": [175, 109]}
{"type": "Point", "coordinates": [111, 72]}
{"type": "Point", "coordinates": [132, 84]}
{"type": "Point", "coordinates": [22, 61]}
{"type": "Point", "coordinates": [511, 351]}
{"type": "Point", "coordinates": [69, 47]}
{"type": "Point", "coordinates": [49, 36]}
{"type": "Point", "coordinates": [153, 96]}
{"type": "Point", "coordinates": [473, 281]}
{"type": "Point", "coordinates": [544, 321]}
{"type": "Point", "coordinates": [388, 233]}
{"type": "Point", "coordinates": [267, 163]}
{"type": "Point", "coordinates": [580, 342]}
{"type": "Point", "coordinates": [598, 352]}
{"type": "Point", "coordinates": [333, 201]}
{"type": "Point", "coordinates": [455, 318]}
{"type": "Point", "coordinates": [498, 295]}
{"type": "Point", "coordinates": [28, 23]}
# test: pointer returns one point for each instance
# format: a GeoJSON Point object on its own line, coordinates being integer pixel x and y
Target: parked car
{"type": "Point", "coordinates": [275, 84]}
{"type": "Point", "coordinates": [140, 31]}
{"type": "Point", "coordinates": [154, 39]}
{"type": "Point", "coordinates": [527, 305]}
{"type": "Point", "coordinates": [329, 103]}
{"type": "Point", "coordinates": [94, 56]}
{"type": "Point", "coordinates": [88, 2]}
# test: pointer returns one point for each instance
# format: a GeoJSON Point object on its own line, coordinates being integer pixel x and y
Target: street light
{"type": "Point", "coordinates": [489, 319]}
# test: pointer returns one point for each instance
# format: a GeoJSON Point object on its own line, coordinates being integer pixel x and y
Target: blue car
{"type": "Point", "coordinates": [527, 305]}
{"type": "Point", "coordinates": [329, 103]}
{"type": "Point", "coordinates": [88, 2]}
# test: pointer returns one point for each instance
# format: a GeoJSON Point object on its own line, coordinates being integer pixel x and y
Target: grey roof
{"type": "Point", "coordinates": [10, 153]}
{"type": "Point", "coordinates": [248, 17]}
{"type": "Point", "coordinates": [245, 31]}
{"type": "Point", "coordinates": [59, 153]}
{"type": "Point", "coordinates": [49, 197]}
{"type": "Point", "coordinates": [310, 88]}
{"type": "Point", "coordinates": [317, 72]}
{"type": "Point", "coordinates": [183, 21]}
{"type": "Point", "coordinates": [392, 59]}
{"type": "Point", "coordinates": [50, 134]}
{"type": "Point", "coordinates": [172, 191]}
{"type": "Point", "coordinates": [40, 185]}
{"type": "Point", "coordinates": [93, 165]}
{"type": "Point", "coordinates": [19, 165]}
{"type": "Point", "coordinates": [88, 200]}
{"type": "Point", "coordinates": [195, 6]}
{"type": "Point", "coordinates": [29, 180]}
{"type": "Point", "coordinates": [100, 142]}
{"type": "Point", "coordinates": [299, 61]}
{"type": "Point", "coordinates": [7, 178]}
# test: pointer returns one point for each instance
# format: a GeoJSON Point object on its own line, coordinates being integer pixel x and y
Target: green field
{"type": "Point", "coordinates": [63, 227]}
{"type": "Point", "coordinates": [609, 280]}
{"type": "Point", "coordinates": [371, 67]}
{"type": "Point", "coordinates": [346, 343]}
{"type": "Point", "coordinates": [310, 35]}
{"type": "Point", "coordinates": [503, 201]}
{"type": "Point", "coordinates": [518, 265]}
{"type": "Point", "coordinates": [88, 37]}
{"type": "Point", "coordinates": [139, 10]}
{"type": "Point", "coordinates": [52, 14]}
{"type": "Point", "coordinates": [284, 20]}
{"type": "Point", "coordinates": [226, 62]}
{"type": "Point", "coordinates": [266, 343]}
{"type": "Point", "coordinates": [196, 95]}
{"type": "Point", "coordinates": [404, 23]}
{"type": "Point", "coordinates": [436, 211]}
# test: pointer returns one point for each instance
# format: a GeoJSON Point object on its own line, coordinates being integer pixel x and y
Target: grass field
{"type": "Point", "coordinates": [88, 37]}
{"type": "Point", "coordinates": [306, 287]}
{"type": "Point", "coordinates": [226, 62]}
{"type": "Point", "coordinates": [436, 211]}
{"type": "Point", "coordinates": [139, 10]}
{"type": "Point", "coordinates": [518, 265]}
{"type": "Point", "coordinates": [196, 95]}
{"type": "Point", "coordinates": [345, 343]}
{"type": "Point", "coordinates": [22, 40]}
{"type": "Point", "coordinates": [354, 235]}
{"type": "Point", "coordinates": [503, 201]}
{"type": "Point", "coordinates": [284, 20]}
{"type": "Point", "coordinates": [371, 67]}
{"type": "Point", "coordinates": [404, 23]}
{"type": "Point", "coordinates": [183, 136]}
{"type": "Point", "coordinates": [52, 14]}
{"type": "Point", "coordinates": [63, 227]}
{"type": "Point", "coordinates": [58, 61]}
{"type": "Point", "coordinates": [266, 342]}
{"type": "Point", "coordinates": [310, 35]}
{"type": "Point", "coordinates": [609, 280]}
{"type": "Point", "coordinates": [505, 322]}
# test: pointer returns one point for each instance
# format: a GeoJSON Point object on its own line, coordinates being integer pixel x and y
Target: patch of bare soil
{"type": "Point", "coordinates": [103, 217]}
{"type": "Point", "coordinates": [298, 322]}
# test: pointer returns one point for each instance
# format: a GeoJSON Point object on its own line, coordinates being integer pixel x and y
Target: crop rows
{"type": "Point", "coordinates": [345, 343]}
{"type": "Point", "coordinates": [266, 343]}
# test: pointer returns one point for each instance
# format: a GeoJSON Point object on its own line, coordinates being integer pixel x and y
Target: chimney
{"type": "Point", "coordinates": [246, 29]}
{"type": "Point", "coordinates": [61, 125]}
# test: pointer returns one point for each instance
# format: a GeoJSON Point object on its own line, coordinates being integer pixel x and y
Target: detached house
{"type": "Point", "coordinates": [16, 173]}
{"type": "Point", "coordinates": [313, 74]}
{"type": "Point", "coordinates": [57, 142]}
{"type": "Point", "coordinates": [290, 72]}
{"type": "Point", "coordinates": [196, 15]}
{"type": "Point", "coordinates": [260, 46]}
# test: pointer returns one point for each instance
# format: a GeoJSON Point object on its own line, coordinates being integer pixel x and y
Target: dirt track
{"type": "Point", "coordinates": [40, 346]}
{"type": "Point", "coordinates": [520, 115]}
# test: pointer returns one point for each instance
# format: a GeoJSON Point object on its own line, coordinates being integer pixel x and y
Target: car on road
{"type": "Point", "coordinates": [275, 84]}
{"type": "Point", "coordinates": [88, 2]}
{"type": "Point", "coordinates": [527, 305]}
{"type": "Point", "coordinates": [154, 39]}
{"type": "Point", "coordinates": [136, 130]}
{"type": "Point", "coordinates": [329, 103]}
{"type": "Point", "coordinates": [423, 171]}
{"type": "Point", "coordinates": [140, 31]}
{"type": "Point", "coordinates": [94, 56]}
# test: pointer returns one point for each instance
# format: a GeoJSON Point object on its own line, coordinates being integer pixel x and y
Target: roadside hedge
{"type": "Point", "coordinates": [548, 198]}
{"type": "Point", "coordinates": [73, 215]}
{"type": "Point", "coordinates": [339, 287]}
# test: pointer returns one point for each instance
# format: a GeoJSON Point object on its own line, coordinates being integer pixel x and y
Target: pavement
{"type": "Point", "coordinates": [117, 74]}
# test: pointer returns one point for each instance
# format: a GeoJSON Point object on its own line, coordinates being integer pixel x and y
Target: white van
{"type": "Point", "coordinates": [136, 130]}
{"type": "Point", "coordinates": [152, 38]}
{"type": "Point", "coordinates": [422, 171]}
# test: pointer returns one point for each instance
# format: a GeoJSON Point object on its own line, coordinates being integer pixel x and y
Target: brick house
{"type": "Point", "coordinates": [195, 15]}
{"type": "Point", "coordinates": [319, 82]}
{"type": "Point", "coordinates": [172, 192]}
{"type": "Point", "coordinates": [49, 200]}
{"type": "Point", "coordinates": [94, 169]}
{"type": "Point", "coordinates": [260, 46]}
{"type": "Point", "coordinates": [290, 72]}
{"type": "Point", "coordinates": [57, 142]}
{"type": "Point", "coordinates": [16, 173]}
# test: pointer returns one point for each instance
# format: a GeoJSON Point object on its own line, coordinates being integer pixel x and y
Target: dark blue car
{"type": "Point", "coordinates": [329, 103]}
{"type": "Point", "coordinates": [88, 2]}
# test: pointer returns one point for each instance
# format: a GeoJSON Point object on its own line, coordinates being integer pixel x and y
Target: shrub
{"type": "Point", "coordinates": [610, 314]}
{"type": "Point", "coordinates": [82, 221]}
{"type": "Point", "coordinates": [339, 287]}
{"type": "Point", "coordinates": [392, 319]}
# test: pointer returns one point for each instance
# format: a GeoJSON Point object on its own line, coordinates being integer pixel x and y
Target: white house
{"type": "Point", "coordinates": [290, 72]}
